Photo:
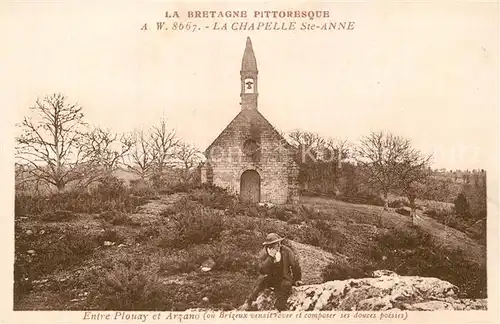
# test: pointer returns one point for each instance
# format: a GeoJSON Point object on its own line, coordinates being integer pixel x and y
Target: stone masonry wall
{"type": "Point", "coordinates": [273, 162]}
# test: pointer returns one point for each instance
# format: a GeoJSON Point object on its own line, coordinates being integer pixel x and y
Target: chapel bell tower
{"type": "Point", "coordinates": [248, 74]}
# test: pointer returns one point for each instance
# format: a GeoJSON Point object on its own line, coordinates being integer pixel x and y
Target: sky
{"type": "Point", "coordinates": [425, 71]}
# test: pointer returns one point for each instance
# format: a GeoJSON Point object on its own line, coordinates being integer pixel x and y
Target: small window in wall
{"type": "Point", "coordinates": [250, 147]}
{"type": "Point", "coordinates": [249, 85]}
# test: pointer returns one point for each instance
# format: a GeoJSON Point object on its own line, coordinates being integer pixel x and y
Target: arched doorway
{"type": "Point", "coordinates": [250, 186]}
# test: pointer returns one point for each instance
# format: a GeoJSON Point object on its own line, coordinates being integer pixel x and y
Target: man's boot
{"type": "Point", "coordinates": [282, 294]}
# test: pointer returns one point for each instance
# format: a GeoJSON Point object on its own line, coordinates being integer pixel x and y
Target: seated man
{"type": "Point", "coordinates": [278, 269]}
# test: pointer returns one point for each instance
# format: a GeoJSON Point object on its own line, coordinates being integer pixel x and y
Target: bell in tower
{"type": "Point", "coordinates": [248, 74]}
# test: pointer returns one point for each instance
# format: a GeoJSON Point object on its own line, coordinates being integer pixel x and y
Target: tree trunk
{"type": "Point", "coordinates": [60, 187]}
{"type": "Point", "coordinates": [386, 201]}
{"type": "Point", "coordinates": [413, 212]}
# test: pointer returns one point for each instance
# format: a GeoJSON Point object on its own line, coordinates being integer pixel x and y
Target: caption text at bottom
{"type": "Point", "coordinates": [212, 315]}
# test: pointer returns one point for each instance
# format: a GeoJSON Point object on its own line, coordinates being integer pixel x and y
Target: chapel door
{"type": "Point", "coordinates": [250, 187]}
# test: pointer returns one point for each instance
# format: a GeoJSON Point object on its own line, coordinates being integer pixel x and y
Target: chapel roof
{"type": "Point", "coordinates": [248, 63]}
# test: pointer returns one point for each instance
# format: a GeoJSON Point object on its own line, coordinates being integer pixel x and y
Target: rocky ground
{"type": "Point", "coordinates": [385, 291]}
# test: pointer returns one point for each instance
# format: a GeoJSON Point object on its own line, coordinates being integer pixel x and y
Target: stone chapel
{"type": "Point", "coordinates": [250, 157]}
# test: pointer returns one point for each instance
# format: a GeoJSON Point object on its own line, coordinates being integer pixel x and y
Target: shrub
{"type": "Point", "coordinates": [214, 197]}
{"type": "Point", "coordinates": [57, 216]}
{"type": "Point", "coordinates": [133, 285]}
{"type": "Point", "coordinates": [333, 240]}
{"type": "Point", "coordinates": [225, 291]}
{"type": "Point", "coordinates": [462, 206]}
{"type": "Point", "coordinates": [411, 252]}
{"type": "Point", "coordinates": [403, 211]}
{"type": "Point", "coordinates": [194, 227]}
{"type": "Point", "coordinates": [295, 220]}
{"type": "Point", "coordinates": [398, 203]}
{"type": "Point", "coordinates": [177, 187]}
{"type": "Point", "coordinates": [110, 235]}
{"type": "Point", "coordinates": [146, 234]}
{"type": "Point", "coordinates": [76, 202]}
{"type": "Point", "coordinates": [226, 255]}
{"type": "Point", "coordinates": [56, 250]}
{"type": "Point", "coordinates": [364, 198]}
{"type": "Point", "coordinates": [307, 235]}
{"type": "Point", "coordinates": [342, 270]}
{"type": "Point", "coordinates": [282, 214]}
{"type": "Point", "coordinates": [117, 218]}
{"type": "Point", "coordinates": [312, 213]}
{"type": "Point", "coordinates": [111, 187]}
{"type": "Point", "coordinates": [110, 194]}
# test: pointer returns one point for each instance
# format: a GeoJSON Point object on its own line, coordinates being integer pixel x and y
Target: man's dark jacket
{"type": "Point", "coordinates": [290, 266]}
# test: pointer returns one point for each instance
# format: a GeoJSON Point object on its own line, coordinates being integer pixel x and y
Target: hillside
{"type": "Point", "coordinates": [147, 256]}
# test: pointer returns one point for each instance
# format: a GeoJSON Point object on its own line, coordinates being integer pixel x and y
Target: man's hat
{"type": "Point", "coordinates": [272, 238]}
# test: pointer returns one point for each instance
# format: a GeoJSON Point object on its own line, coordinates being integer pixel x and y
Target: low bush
{"type": "Point", "coordinates": [57, 216]}
{"type": "Point", "coordinates": [129, 286]}
{"type": "Point", "coordinates": [117, 218]}
{"type": "Point", "coordinates": [307, 235]}
{"type": "Point", "coordinates": [110, 235]}
{"type": "Point", "coordinates": [75, 202]}
{"type": "Point", "coordinates": [411, 252]}
{"type": "Point", "coordinates": [403, 211]}
{"type": "Point", "coordinates": [214, 197]}
{"type": "Point", "coordinates": [363, 198]}
{"type": "Point", "coordinates": [295, 220]}
{"type": "Point", "coordinates": [311, 213]}
{"type": "Point", "coordinates": [142, 189]}
{"type": "Point", "coordinates": [146, 234]}
{"type": "Point", "coordinates": [398, 203]}
{"type": "Point", "coordinates": [474, 229]}
{"type": "Point", "coordinates": [190, 227]}
{"type": "Point", "coordinates": [110, 194]}
{"type": "Point", "coordinates": [342, 270]}
{"type": "Point", "coordinates": [333, 240]}
{"type": "Point", "coordinates": [224, 291]}
{"type": "Point", "coordinates": [226, 255]}
{"type": "Point", "coordinates": [177, 187]}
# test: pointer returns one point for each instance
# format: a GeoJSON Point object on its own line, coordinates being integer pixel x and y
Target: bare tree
{"type": "Point", "coordinates": [309, 144]}
{"type": "Point", "coordinates": [414, 183]}
{"type": "Point", "coordinates": [163, 143]}
{"type": "Point", "coordinates": [141, 157]}
{"type": "Point", "coordinates": [336, 151]}
{"type": "Point", "coordinates": [50, 140]}
{"type": "Point", "coordinates": [106, 149]}
{"type": "Point", "coordinates": [390, 162]}
{"type": "Point", "coordinates": [189, 156]}
{"type": "Point", "coordinates": [104, 152]}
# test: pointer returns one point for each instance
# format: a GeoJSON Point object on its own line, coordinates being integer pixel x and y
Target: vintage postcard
{"type": "Point", "coordinates": [188, 162]}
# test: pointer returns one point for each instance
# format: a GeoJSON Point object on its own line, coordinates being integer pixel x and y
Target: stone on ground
{"type": "Point", "coordinates": [385, 291]}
